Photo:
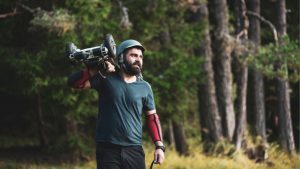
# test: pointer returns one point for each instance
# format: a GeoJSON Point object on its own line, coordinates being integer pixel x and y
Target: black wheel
{"type": "Point", "coordinates": [69, 49]}
{"type": "Point", "coordinates": [110, 44]}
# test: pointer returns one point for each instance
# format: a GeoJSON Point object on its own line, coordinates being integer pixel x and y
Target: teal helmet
{"type": "Point", "coordinates": [126, 45]}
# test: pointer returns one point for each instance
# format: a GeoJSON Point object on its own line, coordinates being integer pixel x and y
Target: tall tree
{"type": "Point", "coordinates": [222, 47]}
{"type": "Point", "coordinates": [44, 27]}
{"type": "Point", "coordinates": [170, 36]}
{"type": "Point", "coordinates": [209, 113]}
{"type": "Point", "coordinates": [242, 73]}
{"type": "Point", "coordinates": [180, 138]}
{"type": "Point", "coordinates": [41, 124]}
{"type": "Point", "coordinates": [286, 137]}
{"type": "Point", "coordinates": [259, 97]}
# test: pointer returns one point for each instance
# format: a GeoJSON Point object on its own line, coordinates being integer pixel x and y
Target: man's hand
{"type": "Point", "coordinates": [105, 68]}
{"type": "Point", "coordinates": [159, 156]}
{"type": "Point", "coordinates": [109, 67]}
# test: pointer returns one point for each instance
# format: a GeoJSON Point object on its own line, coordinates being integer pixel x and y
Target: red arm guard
{"type": "Point", "coordinates": [153, 125]}
{"type": "Point", "coordinates": [79, 83]}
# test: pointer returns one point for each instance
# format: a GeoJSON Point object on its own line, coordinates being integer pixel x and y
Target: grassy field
{"type": "Point", "coordinates": [196, 160]}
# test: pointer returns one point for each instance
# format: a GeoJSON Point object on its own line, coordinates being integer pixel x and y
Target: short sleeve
{"type": "Point", "coordinates": [149, 103]}
{"type": "Point", "coordinates": [96, 81]}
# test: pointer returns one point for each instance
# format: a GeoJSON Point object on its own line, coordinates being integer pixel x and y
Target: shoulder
{"type": "Point", "coordinates": [146, 84]}
{"type": "Point", "coordinates": [111, 76]}
{"type": "Point", "coordinates": [99, 80]}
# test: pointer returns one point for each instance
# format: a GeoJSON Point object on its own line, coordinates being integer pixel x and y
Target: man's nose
{"type": "Point", "coordinates": [138, 59]}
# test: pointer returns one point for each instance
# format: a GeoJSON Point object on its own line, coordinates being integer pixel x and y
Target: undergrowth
{"type": "Point", "coordinates": [195, 160]}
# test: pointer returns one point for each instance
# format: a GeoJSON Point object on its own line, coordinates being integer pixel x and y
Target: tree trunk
{"type": "Point", "coordinates": [286, 137]}
{"type": "Point", "coordinates": [259, 96]}
{"type": "Point", "coordinates": [222, 47]}
{"type": "Point", "coordinates": [171, 134]}
{"type": "Point", "coordinates": [241, 106]}
{"type": "Point", "coordinates": [180, 139]}
{"type": "Point", "coordinates": [41, 124]}
{"type": "Point", "coordinates": [242, 75]}
{"type": "Point", "coordinates": [209, 114]}
{"type": "Point", "coordinates": [210, 120]}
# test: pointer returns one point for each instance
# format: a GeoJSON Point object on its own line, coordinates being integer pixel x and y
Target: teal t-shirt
{"type": "Point", "coordinates": [121, 106]}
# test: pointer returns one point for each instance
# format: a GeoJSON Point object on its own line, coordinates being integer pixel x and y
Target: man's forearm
{"type": "Point", "coordinates": [154, 128]}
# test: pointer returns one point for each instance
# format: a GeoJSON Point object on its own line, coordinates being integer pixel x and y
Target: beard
{"type": "Point", "coordinates": [132, 69]}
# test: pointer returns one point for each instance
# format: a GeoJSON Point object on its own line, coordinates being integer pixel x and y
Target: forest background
{"type": "Point", "coordinates": [225, 76]}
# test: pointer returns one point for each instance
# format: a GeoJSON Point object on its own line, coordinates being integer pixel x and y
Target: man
{"type": "Point", "coordinates": [123, 97]}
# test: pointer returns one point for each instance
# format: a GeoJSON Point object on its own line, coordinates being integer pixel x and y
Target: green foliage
{"type": "Point", "coordinates": [77, 145]}
{"type": "Point", "coordinates": [30, 68]}
{"type": "Point", "coordinates": [40, 66]}
{"type": "Point", "coordinates": [171, 65]}
{"type": "Point", "coordinates": [279, 61]}
{"type": "Point", "coordinates": [58, 21]}
{"type": "Point", "coordinates": [93, 20]}
{"type": "Point", "coordinates": [33, 61]}
{"type": "Point", "coordinates": [8, 142]}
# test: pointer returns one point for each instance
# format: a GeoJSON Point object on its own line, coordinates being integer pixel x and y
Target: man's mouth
{"type": "Point", "coordinates": [137, 64]}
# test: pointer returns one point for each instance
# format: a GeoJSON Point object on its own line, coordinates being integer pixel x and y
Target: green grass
{"type": "Point", "coordinates": [196, 160]}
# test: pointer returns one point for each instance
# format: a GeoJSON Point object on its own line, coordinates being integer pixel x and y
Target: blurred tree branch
{"type": "Point", "coordinates": [269, 23]}
{"type": "Point", "coordinates": [5, 15]}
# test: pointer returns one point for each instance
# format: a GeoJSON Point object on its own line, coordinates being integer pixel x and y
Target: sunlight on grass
{"type": "Point", "coordinates": [199, 161]}
{"type": "Point", "coordinates": [24, 165]}
{"type": "Point", "coordinates": [196, 160]}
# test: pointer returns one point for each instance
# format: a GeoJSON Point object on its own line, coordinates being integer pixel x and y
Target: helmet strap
{"type": "Point", "coordinates": [121, 59]}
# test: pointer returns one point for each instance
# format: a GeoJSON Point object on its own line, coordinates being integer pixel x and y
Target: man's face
{"type": "Point", "coordinates": [134, 60]}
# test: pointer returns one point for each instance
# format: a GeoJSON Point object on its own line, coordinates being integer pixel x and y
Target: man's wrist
{"type": "Point", "coordinates": [163, 148]}
{"type": "Point", "coordinates": [158, 143]}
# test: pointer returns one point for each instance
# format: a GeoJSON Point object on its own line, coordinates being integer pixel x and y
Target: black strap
{"type": "Point", "coordinates": [151, 166]}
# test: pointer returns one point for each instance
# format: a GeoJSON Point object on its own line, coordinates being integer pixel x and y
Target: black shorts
{"type": "Point", "coordinates": [111, 156]}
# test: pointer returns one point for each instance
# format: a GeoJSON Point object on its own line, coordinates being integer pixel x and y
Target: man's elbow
{"type": "Point", "coordinates": [79, 80]}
